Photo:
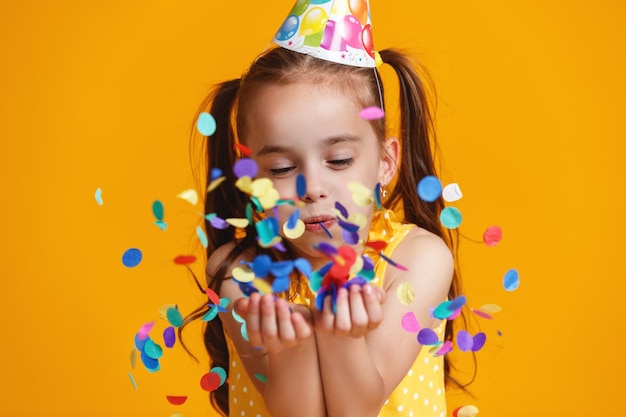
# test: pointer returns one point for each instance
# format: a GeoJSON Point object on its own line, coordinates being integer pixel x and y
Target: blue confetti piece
{"type": "Point", "coordinates": [132, 257]}
{"type": "Point", "coordinates": [215, 174]}
{"type": "Point", "coordinates": [292, 222]}
{"type": "Point", "coordinates": [326, 230]}
{"type": "Point", "coordinates": [304, 266]}
{"type": "Point", "coordinates": [511, 280]}
{"type": "Point", "coordinates": [301, 185]}
{"type": "Point", "coordinates": [206, 124]}
{"type": "Point", "coordinates": [202, 236]}
{"type": "Point", "coordinates": [98, 196]}
{"type": "Point", "coordinates": [429, 188]}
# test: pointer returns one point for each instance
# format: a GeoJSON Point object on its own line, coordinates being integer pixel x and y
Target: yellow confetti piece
{"type": "Point", "coordinates": [296, 232]}
{"type": "Point", "coordinates": [275, 241]}
{"type": "Point", "coordinates": [491, 308]}
{"type": "Point", "coordinates": [163, 310]}
{"type": "Point", "coordinates": [467, 411]}
{"type": "Point", "coordinates": [177, 415]}
{"type": "Point", "coordinates": [359, 219]}
{"type": "Point", "coordinates": [191, 196]}
{"type": "Point", "coordinates": [241, 223]}
{"type": "Point", "coordinates": [133, 358]}
{"type": "Point", "coordinates": [262, 286]}
{"type": "Point", "coordinates": [357, 266]}
{"type": "Point", "coordinates": [361, 195]}
{"type": "Point", "coordinates": [215, 183]}
{"type": "Point", "coordinates": [405, 293]}
{"type": "Point", "coordinates": [243, 274]}
{"type": "Point", "coordinates": [244, 184]}
{"type": "Point", "coordinates": [269, 199]}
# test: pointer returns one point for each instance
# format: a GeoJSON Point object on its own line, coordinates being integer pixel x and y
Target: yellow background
{"type": "Point", "coordinates": [102, 94]}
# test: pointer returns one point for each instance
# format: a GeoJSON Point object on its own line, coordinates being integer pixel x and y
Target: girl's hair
{"type": "Point", "coordinates": [228, 103]}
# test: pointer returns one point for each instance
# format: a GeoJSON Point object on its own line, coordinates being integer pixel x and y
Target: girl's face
{"type": "Point", "coordinates": [317, 132]}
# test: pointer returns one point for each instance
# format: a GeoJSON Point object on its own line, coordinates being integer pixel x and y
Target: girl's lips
{"type": "Point", "coordinates": [318, 223]}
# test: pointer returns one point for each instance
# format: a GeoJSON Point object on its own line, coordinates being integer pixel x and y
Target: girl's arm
{"type": "Point", "coordinates": [281, 347]}
{"type": "Point", "coordinates": [360, 372]}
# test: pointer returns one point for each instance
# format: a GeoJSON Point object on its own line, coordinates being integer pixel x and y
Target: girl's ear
{"type": "Point", "coordinates": [389, 161]}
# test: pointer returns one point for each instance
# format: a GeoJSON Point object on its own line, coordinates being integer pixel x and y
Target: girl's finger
{"type": "Point", "coordinates": [358, 313]}
{"type": "Point", "coordinates": [326, 318]}
{"type": "Point", "coordinates": [286, 332]}
{"type": "Point", "coordinates": [269, 328]}
{"type": "Point", "coordinates": [253, 320]}
{"type": "Point", "coordinates": [373, 305]}
{"type": "Point", "coordinates": [301, 327]}
{"type": "Point", "coordinates": [343, 322]}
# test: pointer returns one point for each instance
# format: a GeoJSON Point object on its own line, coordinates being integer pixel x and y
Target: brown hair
{"type": "Point", "coordinates": [228, 103]}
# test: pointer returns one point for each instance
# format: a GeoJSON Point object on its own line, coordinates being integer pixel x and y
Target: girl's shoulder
{"type": "Point", "coordinates": [426, 255]}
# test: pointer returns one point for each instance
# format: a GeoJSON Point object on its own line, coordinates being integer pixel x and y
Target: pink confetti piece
{"type": "Point", "coordinates": [482, 314]}
{"type": "Point", "coordinates": [492, 236]}
{"type": "Point", "coordinates": [445, 348]}
{"type": "Point", "coordinates": [410, 323]}
{"type": "Point", "coordinates": [372, 113]}
{"type": "Point", "coordinates": [145, 330]}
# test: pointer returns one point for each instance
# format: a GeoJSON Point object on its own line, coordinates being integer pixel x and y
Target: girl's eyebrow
{"type": "Point", "coordinates": [333, 140]}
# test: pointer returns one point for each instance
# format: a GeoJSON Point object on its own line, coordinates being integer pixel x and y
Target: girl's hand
{"type": "Point", "coordinates": [271, 323]}
{"type": "Point", "coordinates": [359, 310]}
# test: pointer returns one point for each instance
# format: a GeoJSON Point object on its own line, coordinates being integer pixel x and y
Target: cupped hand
{"type": "Point", "coordinates": [271, 322]}
{"type": "Point", "coordinates": [358, 311]}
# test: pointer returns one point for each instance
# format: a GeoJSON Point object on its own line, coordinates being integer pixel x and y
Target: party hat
{"type": "Point", "coordinates": [333, 30]}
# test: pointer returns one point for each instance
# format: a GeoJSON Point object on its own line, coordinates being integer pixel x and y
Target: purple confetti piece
{"type": "Point", "coordinates": [427, 337]}
{"type": "Point", "coordinates": [327, 249]}
{"type": "Point", "coordinates": [464, 341]}
{"type": "Point", "coordinates": [351, 238]}
{"type": "Point", "coordinates": [349, 227]}
{"type": "Point", "coordinates": [341, 209]}
{"type": "Point", "coordinates": [169, 337]}
{"type": "Point", "coordinates": [245, 167]}
{"type": "Point", "coordinates": [219, 223]}
{"type": "Point", "coordinates": [479, 341]}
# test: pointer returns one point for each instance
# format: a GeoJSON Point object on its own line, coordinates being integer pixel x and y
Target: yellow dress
{"type": "Point", "coordinates": [420, 394]}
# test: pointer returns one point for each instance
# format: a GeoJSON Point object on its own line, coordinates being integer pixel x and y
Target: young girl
{"type": "Point", "coordinates": [342, 352]}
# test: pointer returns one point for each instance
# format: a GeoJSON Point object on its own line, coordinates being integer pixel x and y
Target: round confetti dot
{"type": "Point", "coordinates": [245, 167]}
{"type": "Point", "coordinates": [221, 372]}
{"type": "Point", "coordinates": [176, 399]}
{"type": "Point", "coordinates": [452, 192]}
{"type": "Point", "coordinates": [210, 381]}
{"type": "Point", "coordinates": [464, 341]}
{"type": "Point", "coordinates": [157, 210]}
{"type": "Point", "coordinates": [511, 280]}
{"type": "Point", "coordinates": [301, 185]}
{"type": "Point", "coordinates": [492, 236]}
{"type": "Point", "coordinates": [206, 124]}
{"type": "Point", "coordinates": [132, 257]}
{"type": "Point", "coordinates": [479, 341]}
{"type": "Point", "coordinates": [429, 188]}
{"type": "Point", "coordinates": [465, 411]}
{"type": "Point", "coordinates": [169, 337]}
{"type": "Point", "coordinates": [405, 293]}
{"type": "Point", "coordinates": [410, 323]}
{"type": "Point", "coordinates": [451, 217]}
{"type": "Point", "coordinates": [174, 317]}
{"type": "Point", "coordinates": [427, 336]}
{"type": "Point", "coordinates": [294, 232]}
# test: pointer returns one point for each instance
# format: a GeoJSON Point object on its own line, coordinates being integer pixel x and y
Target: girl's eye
{"type": "Point", "coordinates": [341, 163]}
{"type": "Point", "coordinates": [277, 172]}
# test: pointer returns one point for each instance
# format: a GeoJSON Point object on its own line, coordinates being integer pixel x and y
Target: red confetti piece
{"type": "Point", "coordinates": [215, 299]}
{"type": "Point", "coordinates": [176, 399]}
{"type": "Point", "coordinates": [184, 259]}
{"type": "Point", "coordinates": [245, 151]}
{"type": "Point", "coordinates": [377, 245]}
{"type": "Point", "coordinates": [492, 236]}
{"type": "Point", "coordinates": [210, 381]}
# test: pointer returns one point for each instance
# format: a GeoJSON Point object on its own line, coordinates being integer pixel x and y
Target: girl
{"type": "Point", "coordinates": [343, 353]}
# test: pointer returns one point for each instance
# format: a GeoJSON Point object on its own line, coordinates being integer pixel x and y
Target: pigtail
{"type": "Point", "coordinates": [418, 148]}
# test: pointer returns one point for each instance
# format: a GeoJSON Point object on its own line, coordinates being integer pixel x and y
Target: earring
{"type": "Point", "coordinates": [384, 191]}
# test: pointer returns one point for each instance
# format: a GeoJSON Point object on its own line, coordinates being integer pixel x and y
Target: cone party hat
{"type": "Point", "coordinates": [334, 30]}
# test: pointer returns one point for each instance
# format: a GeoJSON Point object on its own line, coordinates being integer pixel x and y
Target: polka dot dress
{"type": "Point", "coordinates": [420, 394]}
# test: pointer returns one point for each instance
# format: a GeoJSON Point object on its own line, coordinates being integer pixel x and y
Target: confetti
{"type": "Point", "coordinates": [132, 257]}
{"type": "Point", "coordinates": [451, 217]}
{"type": "Point", "coordinates": [245, 167]}
{"type": "Point", "coordinates": [210, 381]}
{"type": "Point", "coordinates": [492, 236]}
{"type": "Point", "coordinates": [361, 195]}
{"type": "Point", "coordinates": [301, 186]}
{"type": "Point", "coordinates": [491, 308]}
{"type": "Point", "coordinates": [482, 314]}
{"type": "Point", "coordinates": [294, 232]}
{"type": "Point", "coordinates": [464, 341]}
{"type": "Point", "coordinates": [465, 411]}
{"type": "Point", "coordinates": [261, 378]}
{"type": "Point", "coordinates": [445, 348]}
{"type": "Point", "coordinates": [98, 196]}
{"type": "Point", "coordinates": [429, 188]}
{"type": "Point", "coordinates": [511, 280]}
{"type": "Point", "coordinates": [206, 124]}
{"type": "Point", "coordinates": [184, 259]}
{"type": "Point", "coordinates": [221, 372]}
{"type": "Point", "coordinates": [202, 236]}
{"type": "Point", "coordinates": [240, 223]}
{"type": "Point", "coordinates": [215, 183]}
{"type": "Point", "coordinates": [245, 151]}
{"type": "Point", "coordinates": [452, 193]}
{"type": "Point", "coordinates": [174, 317]}
{"type": "Point", "coordinates": [427, 337]}
{"type": "Point", "coordinates": [176, 399]}
{"type": "Point", "coordinates": [133, 358]}
{"type": "Point", "coordinates": [479, 341]}
{"type": "Point", "coordinates": [190, 196]}
{"type": "Point", "coordinates": [132, 381]}
{"type": "Point", "coordinates": [410, 323]}
{"type": "Point", "coordinates": [169, 337]}
{"type": "Point", "coordinates": [372, 113]}
{"type": "Point", "coordinates": [405, 293]}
